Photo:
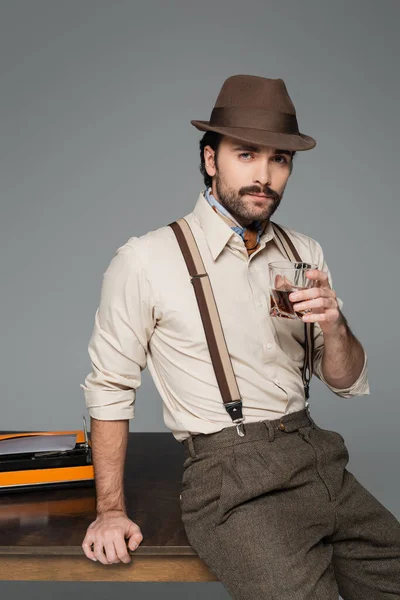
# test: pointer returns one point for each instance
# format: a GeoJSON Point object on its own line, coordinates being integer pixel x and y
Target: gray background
{"type": "Point", "coordinates": [96, 147]}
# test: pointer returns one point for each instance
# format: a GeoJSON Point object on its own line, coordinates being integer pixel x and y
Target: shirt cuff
{"type": "Point", "coordinates": [109, 405]}
{"type": "Point", "coordinates": [359, 388]}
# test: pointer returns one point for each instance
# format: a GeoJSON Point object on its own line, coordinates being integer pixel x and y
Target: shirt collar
{"type": "Point", "coordinates": [216, 231]}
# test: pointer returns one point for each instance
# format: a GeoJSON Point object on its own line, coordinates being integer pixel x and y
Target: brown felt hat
{"type": "Point", "coordinates": [257, 110]}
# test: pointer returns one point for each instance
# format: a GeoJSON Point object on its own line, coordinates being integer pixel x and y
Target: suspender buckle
{"type": "Point", "coordinates": [194, 277]}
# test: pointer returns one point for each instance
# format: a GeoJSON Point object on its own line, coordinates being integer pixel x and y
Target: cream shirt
{"type": "Point", "coordinates": [148, 315]}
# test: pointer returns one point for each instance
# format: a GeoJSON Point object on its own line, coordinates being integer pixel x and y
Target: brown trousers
{"type": "Point", "coordinates": [276, 515]}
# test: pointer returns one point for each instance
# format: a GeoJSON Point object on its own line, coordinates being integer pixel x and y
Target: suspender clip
{"type": "Point", "coordinates": [234, 409]}
{"type": "Point", "coordinates": [239, 428]}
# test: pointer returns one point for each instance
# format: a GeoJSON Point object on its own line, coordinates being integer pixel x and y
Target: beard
{"type": "Point", "coordinates": [245, 211]}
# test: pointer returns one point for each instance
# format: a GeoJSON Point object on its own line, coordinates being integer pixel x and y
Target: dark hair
{"type": "Point", "coordinates": [213, 139]}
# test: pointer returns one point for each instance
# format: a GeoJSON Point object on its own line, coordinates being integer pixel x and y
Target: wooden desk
{"type": "Point", "coordinates": [41, 531]}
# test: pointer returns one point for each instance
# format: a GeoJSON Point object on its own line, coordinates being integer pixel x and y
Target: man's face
{"type": "Point", "coordinates": [242, 170]}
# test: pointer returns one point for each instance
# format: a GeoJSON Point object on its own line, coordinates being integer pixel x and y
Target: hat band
{"type": "Point", "coordinates": [254, 118]}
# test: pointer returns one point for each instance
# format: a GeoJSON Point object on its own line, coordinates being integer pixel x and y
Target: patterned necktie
{"type": "Point", "coordinates": [249, 234]}
{"type": "Point", "coordinates": [250, 240]}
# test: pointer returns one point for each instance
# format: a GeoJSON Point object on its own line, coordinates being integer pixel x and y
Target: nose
{"type": "Point", "coordinates": [263, 173]}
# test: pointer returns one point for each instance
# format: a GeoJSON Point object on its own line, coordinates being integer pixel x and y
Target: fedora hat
{"type": "Point", "coordinates": [257, 110]}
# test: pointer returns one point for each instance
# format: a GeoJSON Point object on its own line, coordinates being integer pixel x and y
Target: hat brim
{"type": "Point", "coordinates": [282, 141]}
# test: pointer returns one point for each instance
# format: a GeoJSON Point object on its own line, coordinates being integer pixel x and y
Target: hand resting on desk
{"type": "Point", "coordinates": [107, 534]}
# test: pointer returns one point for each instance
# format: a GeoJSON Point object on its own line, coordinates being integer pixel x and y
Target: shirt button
{"type": "Point", "coordinates": [269, 345]}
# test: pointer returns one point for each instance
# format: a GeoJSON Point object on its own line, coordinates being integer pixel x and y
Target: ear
{"type": "Point", "coordinates": [209, 161]}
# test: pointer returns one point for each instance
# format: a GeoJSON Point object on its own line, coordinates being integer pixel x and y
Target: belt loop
{"type": "Point", "coordinates": [271, 433]}
{"type": "Point", "coordinates": [190, 444]}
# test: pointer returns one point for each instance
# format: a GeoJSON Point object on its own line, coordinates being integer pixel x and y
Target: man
{"type": "Point", "coordinates": [273, 511]}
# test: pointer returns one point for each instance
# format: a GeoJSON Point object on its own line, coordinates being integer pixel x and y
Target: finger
{"type": "Point", "coordinates": [133, 544]}
{"type": "Point", "coordinates": [121, 550]}
{"type": "Point", "coordinates": [135, 539]}
{"type": "Point", "coordinates": [321, 302]}
{"type": "Point", "coordinates": [311, 293]}
{"type": "Point", "coordinates": [135, 532]}
{"type": "Point", "coordinates": [321, 276]}
{"type": "Point", "coordinates": [99, 552]}
{"type": "Point", "coordinates": [328, 316]}
{"type": "Point", "coordinates": [87, 548]}
{"type": "Point", "coordinates": [110, 552]}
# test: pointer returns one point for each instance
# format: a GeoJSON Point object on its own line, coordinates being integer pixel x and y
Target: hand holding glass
{"type": "Point", "coordinates": [286, 277]}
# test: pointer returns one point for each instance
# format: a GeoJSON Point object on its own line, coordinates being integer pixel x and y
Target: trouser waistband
{"type": "Point", "coordinates": [195, 444]}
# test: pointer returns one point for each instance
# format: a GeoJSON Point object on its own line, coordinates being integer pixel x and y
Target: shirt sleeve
{"type": "Point", "coordinates": [118, 345]}
{"type": "Point", "coordinates": [361, 386]}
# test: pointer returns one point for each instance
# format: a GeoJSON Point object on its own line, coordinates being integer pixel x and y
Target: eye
{"type": "Point", "coordinates": [245, 154]}
{"type": "Point", "coordinates": [281, 156]}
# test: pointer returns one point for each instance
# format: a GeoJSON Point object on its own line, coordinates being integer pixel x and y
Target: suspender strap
{"type": "Point", "coordinates": [211, 322]}
{"type": "Point", "coordinates": [287, 247]}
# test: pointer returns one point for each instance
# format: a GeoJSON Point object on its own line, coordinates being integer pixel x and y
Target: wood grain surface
{"type": "Point", "coordinates": [41, 530]}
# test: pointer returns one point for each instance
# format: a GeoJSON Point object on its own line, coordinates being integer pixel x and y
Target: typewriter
{"type": "Point", "coordinates": [45, 459]}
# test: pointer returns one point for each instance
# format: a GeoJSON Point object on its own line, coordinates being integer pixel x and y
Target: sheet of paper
{"type": "Point", "coordinates": [38, 443]}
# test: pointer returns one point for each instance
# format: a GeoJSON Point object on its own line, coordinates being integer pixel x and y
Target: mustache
{"type": "Point", "coordinates": [270, 193]}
